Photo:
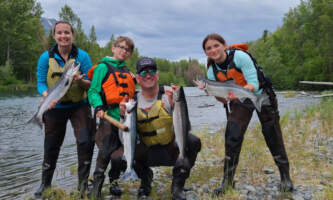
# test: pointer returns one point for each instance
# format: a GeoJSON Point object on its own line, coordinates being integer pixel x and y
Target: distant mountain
{"type": "Point", "coordinates": [48, 24]}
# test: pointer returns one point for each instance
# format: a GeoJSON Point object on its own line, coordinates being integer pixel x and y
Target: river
{"type": "Point", "coordinates": [21, 144]}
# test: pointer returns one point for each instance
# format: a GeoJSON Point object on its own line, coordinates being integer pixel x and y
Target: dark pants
{"type": "Point", "coordinates": [165, 155]}
{"type": "Point", "coordinates": [238, 120]}
{"type": "Point", "coordinates": [55, 128]}
{"type": "Point", "coordinates": [110, 149]}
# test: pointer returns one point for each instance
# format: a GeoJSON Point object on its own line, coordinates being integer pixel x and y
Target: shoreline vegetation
{"type": "Point", "coordinates": [18, 87]}
{"type": "Point", "coordinates": [309, 144]}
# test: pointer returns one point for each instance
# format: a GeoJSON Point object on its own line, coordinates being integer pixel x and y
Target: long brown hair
{"type": "Point", "coordinates": [212, 36]}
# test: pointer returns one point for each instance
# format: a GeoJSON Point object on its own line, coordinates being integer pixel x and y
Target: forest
{"type": "Point", "coordinates": [301, 49]}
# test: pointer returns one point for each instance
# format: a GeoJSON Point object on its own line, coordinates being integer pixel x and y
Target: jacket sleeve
{"type": "Point", "coordinates": [42, 69]}
{"type": "Point", "coordinates": [210, 74]}
{"type": "Point", "coordinates": [94, 96]}
{"type": "Point", "coordinates": [245, 63]}
{"type": "Point", "coordinates": [85, 62]}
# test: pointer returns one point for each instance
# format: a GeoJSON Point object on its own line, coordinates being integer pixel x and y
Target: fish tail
{"type": "Point", "coordinates": [260, 100]}
{"type": "Point", "coordinates": [36, 120]}
{"type": "Point", "coordinates": [129, 175]}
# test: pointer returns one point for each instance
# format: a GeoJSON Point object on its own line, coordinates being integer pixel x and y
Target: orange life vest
{"type": "Point", "coordinates": [117, 83]}
{"type": "Point", "coordinates": [232, 72]}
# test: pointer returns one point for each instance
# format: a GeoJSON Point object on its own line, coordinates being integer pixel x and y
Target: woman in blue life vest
{"type": "Point", "coordinates": [233, 64]}
{"type": "Point", "coordinates": [73, 106]}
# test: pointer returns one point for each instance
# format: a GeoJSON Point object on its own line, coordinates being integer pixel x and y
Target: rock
{"type": "Point", "coordinates": [191, 195]}
{"type": "Point", "coordinates": [268, 171]}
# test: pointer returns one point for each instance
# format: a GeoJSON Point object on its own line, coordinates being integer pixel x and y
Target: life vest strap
{"type": "Point", "coordinates": [152, 133]}
{"type": "Point", "coordinates": [124, 85]}
{"type": "Point", "coordinates": [147, 120]}
{"type": "Point", "coordinates": [123, 94]}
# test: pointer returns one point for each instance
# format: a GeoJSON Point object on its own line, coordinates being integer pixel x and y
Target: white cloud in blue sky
{"type": "Point", "coordinates": [174, 29]}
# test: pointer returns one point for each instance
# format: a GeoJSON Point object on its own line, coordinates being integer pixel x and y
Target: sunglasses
{"type": "Point", "coordinates": [152, 72]}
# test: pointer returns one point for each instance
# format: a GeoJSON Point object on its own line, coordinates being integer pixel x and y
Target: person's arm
{"type": "Point", "coordinates": [244, 62]}
{"type": "Point", "coordinates": [94, 96]}
{"type": "Point", "coordinates": [85, 65]}
{"type": "Point", "coordinates": [42, 69]}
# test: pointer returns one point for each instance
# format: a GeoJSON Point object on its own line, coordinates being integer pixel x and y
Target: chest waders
{"type": "Point", "coordinates": [237, 123]}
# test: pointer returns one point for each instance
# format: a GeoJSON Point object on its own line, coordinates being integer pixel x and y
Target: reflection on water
{"type": "Point", "coordinates": [21, 144]}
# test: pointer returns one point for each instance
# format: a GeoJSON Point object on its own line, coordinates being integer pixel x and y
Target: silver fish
{"type": "Point", "coordinates": [56, 92]}
{"type": "Point", "coordinates": [128, 138]}
{"type": "Point", "coordinates": [181, 122]}
{"type": "Point", "coordinates": [223, 89]}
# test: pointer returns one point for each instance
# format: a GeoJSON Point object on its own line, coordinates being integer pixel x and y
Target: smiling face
{"type": "Point", "coordinates": [148, 81]}
{"type": "Point", "coordinates": [63, 35]}
{"type": "Point", "coordinates": [215, 50]}
{"type": "Point", "coordinates": [121, 51]}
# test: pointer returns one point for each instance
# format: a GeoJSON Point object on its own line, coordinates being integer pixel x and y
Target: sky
{"type": "Point", "coordinates": [174, 29]}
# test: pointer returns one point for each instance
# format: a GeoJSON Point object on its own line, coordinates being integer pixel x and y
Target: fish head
{"type": "Point", "coordinates": [72, 70]}
{"type": "Point", "coordinates": [130, 105]}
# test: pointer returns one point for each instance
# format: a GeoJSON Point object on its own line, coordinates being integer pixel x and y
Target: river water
{"type": "Point", "coordinates": [21, 144]}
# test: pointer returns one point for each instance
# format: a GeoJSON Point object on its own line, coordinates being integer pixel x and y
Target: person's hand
{"type": "Point", "coordinates": [122, 105]}
{"type": "Point", "coordinates": [231, 96]}
{"type": "Point", "coordinates": [100, 114]}
{"type": "Point", "coordinates": [249, 87]}
{"type": "Point", "coordinates": [78, 77]}
{"type": "Point", "coordinates": [169, 93]}
{"type": "Point", "coordinates": [52, 103]}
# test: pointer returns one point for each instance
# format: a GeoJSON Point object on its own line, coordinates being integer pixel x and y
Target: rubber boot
{"type": "Point", "coordinates": [85, 154]}
{"type": "Point", "coordinates": [51, 152]}
{"type": "Point", "coordinates": [177, 186]}
{"type": "Point", "coordinates": [228, 177]}
{"type": "Point", "coordinates": [83, 173]}
{"type": "Point", "coordinates": [146, 176]}
{"type": "Point", "coordinates": [274, 141]}
{"type": "Point", "coordinates": [47, 175]}
{"type": "Point", "coordinates": [96, 191]}
{"type": "Point", "coordinates": [117, 165]}
{"type": "Point", "coordinates": [99, 176]}
{"type": "Point", "coordinates": [234, 138]}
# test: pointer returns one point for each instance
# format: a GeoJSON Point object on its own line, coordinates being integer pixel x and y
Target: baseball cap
{"type": "Point", "coordinates": [145, 62]}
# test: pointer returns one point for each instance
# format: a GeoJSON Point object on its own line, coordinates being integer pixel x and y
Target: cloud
{"type": "Point", "coordinates": [174, 29]}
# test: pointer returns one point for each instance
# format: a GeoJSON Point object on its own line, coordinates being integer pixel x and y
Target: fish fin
{"type": "Point", "coordinates": [260, 99]}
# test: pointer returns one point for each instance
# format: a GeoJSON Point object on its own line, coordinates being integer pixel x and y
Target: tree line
{"type": "Point", "coordinates": [23, 39]}
{"type": "Point", "coordinates": [301, 49]}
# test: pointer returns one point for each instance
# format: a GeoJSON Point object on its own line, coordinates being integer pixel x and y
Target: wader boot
{"type": "Point", "coordinates": [99, 176]}
{"type": "Point", "coordinates": [85, 149]}
{"type": "Point", "coordinates": [146, 176]}
{"type": "Point", "coordinates": [47, 176]}
{"type": "Point", "coordinates": [51, 152]}
{"type": "Point", "coordinates": [117, 165]}
{"type": "Point", "coordinates": [234, 138]}
{"type": "Point", "coordinates": [180, 174]}
{"type": "Point", "coordinates": [274, 141]}
{"type": "Point", "coordinates": [83, 173]}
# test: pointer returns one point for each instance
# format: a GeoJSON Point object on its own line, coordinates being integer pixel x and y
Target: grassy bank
{"type": "Point", "coordinates": [306, 136]}
{"type": "Point", "coordinates": [18, 87]}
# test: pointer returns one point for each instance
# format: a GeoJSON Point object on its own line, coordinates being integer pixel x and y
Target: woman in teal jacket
{"type": "Point", "coordinates": [73, 106]}
{"type": "Point", "coordinates": [232, 64]}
